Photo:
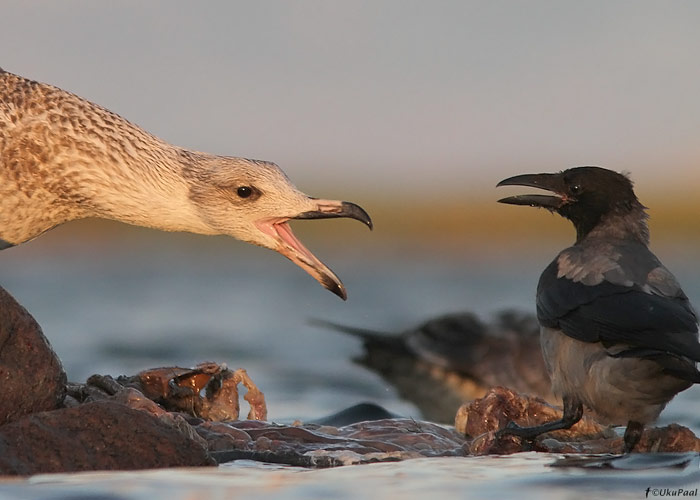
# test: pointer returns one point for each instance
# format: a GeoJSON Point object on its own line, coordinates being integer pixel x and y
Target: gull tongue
{"type": "Point", "coordinates": [294, 250]}
{"type": "Point", "coordinates": [284, 231]}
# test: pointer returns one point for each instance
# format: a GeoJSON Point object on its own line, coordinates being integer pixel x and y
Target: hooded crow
{"type": "Point", "coordinates": [618, 334]}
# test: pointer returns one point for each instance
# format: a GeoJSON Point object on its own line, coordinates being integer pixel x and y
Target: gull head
{"type": "Point", "coordinates": [253, 201]}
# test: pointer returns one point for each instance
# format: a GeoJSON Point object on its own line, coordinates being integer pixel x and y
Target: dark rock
{"type": "Point", "coordinates": [483, 418]}
{"type": "Point", "coordinates": [502, 405]}
{"type": "Point", "coordinates": [361, 412]}
{"type": "Point", "coordinates": [313, 445]}
{"type": "Point", "coordinates": [31, 375]}
{"type": "Point", "coordinates": [221, 436]}
{"type": "Point", "coordinates": [95, 436]}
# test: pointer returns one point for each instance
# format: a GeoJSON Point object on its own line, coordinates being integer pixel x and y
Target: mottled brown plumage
{"type": "Point", "coordinates": [63, 158]}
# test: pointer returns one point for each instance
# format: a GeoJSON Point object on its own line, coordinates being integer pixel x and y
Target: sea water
{"type": "Point", "coordinates": [120, 307]}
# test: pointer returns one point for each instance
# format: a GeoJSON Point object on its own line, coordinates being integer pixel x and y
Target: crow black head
{"type": "Point", "coordinates": [584, 195]}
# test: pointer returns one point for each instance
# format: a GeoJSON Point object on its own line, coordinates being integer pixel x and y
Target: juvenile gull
{"type": "Point", "coordinates": [63, 158]}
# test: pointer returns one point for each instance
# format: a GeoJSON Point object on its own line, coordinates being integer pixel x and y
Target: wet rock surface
{"type": "Point", "coordinates": [313, 445]}
{"type": "Point", "coordinates": [31, 375]}
{"type": "Point", "coordinates": [481, 420]}
{"type": "Point", "coordinates": [502, 405]}
{"type": "Point", "coordinates": [117, 427]}
{"type": "Point", "coordinates": [95, 436]}
{"type": "Point", "coordinates": [326, 444]}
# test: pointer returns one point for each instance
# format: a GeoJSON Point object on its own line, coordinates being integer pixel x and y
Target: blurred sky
{"type": "Point", "coordinates": [441, 96]}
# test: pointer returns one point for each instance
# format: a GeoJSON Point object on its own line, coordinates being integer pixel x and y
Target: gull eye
{"type": "Point", "coordinates": [575, 189]}
{"type": "Point", "coordinates": [244, 191]}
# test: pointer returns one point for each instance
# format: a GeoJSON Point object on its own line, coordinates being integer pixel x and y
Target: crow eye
{"type": "Point", "coordinates": [244, 191]}
{"type": "Point", "coordinates": [575, 189]}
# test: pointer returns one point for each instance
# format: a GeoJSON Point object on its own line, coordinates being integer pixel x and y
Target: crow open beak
{"type": "Point", "coordinates": [548, 182]}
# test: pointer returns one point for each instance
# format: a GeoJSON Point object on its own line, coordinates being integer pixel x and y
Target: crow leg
{"type": "Point", "coordinates": [633, 434]}
{"type": "Point", "coordinates": [573, 411]}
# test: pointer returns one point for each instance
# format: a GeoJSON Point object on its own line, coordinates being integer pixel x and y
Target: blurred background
{"type": "Point", "coordinates": [414, 110]}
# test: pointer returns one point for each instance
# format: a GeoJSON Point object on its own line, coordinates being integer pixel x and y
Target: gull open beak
{"type": "Point", "coordinates": [290, 246]}
{"type": "Point", "coordinates": [548, 182]}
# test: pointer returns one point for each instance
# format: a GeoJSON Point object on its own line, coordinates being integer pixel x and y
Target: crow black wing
{"type": "Point", "coordinates": [617, 314]}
